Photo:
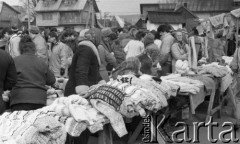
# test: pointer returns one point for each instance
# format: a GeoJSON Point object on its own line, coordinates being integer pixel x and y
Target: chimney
{"type": "Point", "coordinates": [185, 4]}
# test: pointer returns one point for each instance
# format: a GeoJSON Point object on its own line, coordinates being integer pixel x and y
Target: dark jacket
{"type": "Point", "coordinates": [84, 69]}
{"type": "Point", "coordinates": [32, 76]}
{"type": "Point", "coordinates": [8, 75]}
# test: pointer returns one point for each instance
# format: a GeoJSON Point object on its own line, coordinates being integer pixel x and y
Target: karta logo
{"type": "Point", "coordinates": [154, 133]}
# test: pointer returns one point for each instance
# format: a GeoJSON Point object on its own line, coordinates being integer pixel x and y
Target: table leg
{"type": "Point", "coordinates": [105, 136]}
{"type": "Point", "coordinates": [136, 133]}
{"type": "Point", "coordinates": [210, 105]}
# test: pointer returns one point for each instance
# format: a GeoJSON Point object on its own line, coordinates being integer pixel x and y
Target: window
{"type": "Point", "coordinates": [47, 3]}
{"type": "Point", "coordinates": [69, 2]}
{"type": "Point", "coordinates": [70, 17]}
{"type": "Point", "coordinates": [47, 16]}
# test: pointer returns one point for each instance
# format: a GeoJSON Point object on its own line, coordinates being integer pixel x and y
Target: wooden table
{"type": "Point", "coordinates": [210, 111]}
{"type": "Point", "coordinates": [106, 135]}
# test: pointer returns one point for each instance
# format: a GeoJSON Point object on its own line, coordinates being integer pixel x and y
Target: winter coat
{"type": "Point", "coordinates": [179, 52]}
{"type": "Point", "coordinates": [84, 69]}
{"type": "Point", "coordinates": [165, 50]}
{"type": "Point", "coordinates": [14, 45]}
{"type": "Point", "coordinates": [59, 59]}
{"type": "Point", "coordinates": [8, 75]}
{"type": "Point", "coordinates": [154, 53]}
{"type": "Point", "coordinates": [41, 48]}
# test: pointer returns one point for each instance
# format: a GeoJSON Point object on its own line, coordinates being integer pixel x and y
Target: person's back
{"type": "Point", "coordinates": [134, 48]}
{"type": "Point", "coordinates": [41, 47]}
{"type": "Point", "coordinates": [14, 45]}
{"type": "Point", "coordinates": [106, 58]}
{"type": "Point", "coordinates": [33, 74]}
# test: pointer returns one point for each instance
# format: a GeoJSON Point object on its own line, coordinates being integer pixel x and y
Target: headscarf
{"type": "Point", "coordinates": [148, 39]}
{"type": "Point", "coordinates": [82, 34]}
{"type": "Point", "coordinates": [132, 33]}
{"type": "Point", "coordinates": [105, 44]}
{"type": "Point", "coordinates": [97, 36]}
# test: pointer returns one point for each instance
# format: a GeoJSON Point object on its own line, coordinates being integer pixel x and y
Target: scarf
{"type": "Point", "coordinates": [93, 47]}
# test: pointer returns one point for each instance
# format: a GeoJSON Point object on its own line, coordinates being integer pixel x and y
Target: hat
{"type": "Point", "coordinates": [149, 38]}
{"type": "Point", "coordinates": [34, 29]}
{"type": "Point", "coordinates": [106, 32]}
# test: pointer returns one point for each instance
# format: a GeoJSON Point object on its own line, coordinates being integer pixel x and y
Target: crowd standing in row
{"type": "Point", "coordinates": [31, 60]}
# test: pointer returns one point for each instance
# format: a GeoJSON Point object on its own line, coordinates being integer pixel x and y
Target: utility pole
{"type": "Point", "coordinates": [28, 15]}
{"type": "Point", "coordinates": [93, 14]}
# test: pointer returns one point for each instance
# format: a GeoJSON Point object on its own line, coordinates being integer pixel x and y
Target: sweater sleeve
{"type": "Point", "coordinates": [83, 64]}
{"type": "Point", "coordinates": [110, 58]}
{"type": "Point", "coordinates": [176, 53]}
{"type": "Point", "coordinates": [64, 56]}
{"type": "Point", "coordinates": [11, 77]}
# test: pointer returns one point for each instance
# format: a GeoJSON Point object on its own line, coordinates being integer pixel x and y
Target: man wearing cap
{"type": "Point", "coordinates": [40, 43]}
{"type": "Point", "coordinates": [14, 39]}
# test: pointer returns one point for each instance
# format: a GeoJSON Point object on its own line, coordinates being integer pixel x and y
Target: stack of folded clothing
{"type": "Point", "coordinates": [213, 69]}
{"type": "Point", "coordinates": [186, 85]}
{"type": "Point", "coordinates": [80, 114]}
{"type": "Point", "coordinates": [150, 85]}
{"type": "Point", "coordinates": [27, 127]}
{"type": "Point", "coordinates": [227, 59]}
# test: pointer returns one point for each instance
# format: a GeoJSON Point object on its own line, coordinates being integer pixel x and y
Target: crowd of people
{"type": "Point", "coordinates": [32, 59]}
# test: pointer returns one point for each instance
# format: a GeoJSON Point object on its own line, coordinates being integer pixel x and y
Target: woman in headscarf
{"type": "Point", "coordinates": [106, 57]}
{"type": "Point", "coordinates": [131, 65]}
{"type": "Point", "coordinates": [84, 72]}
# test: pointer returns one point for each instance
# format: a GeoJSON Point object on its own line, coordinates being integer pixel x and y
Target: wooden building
{"type": "Point", "coordinates": [201, 8]}
{"type": "Point", "coordinates": [65, 13]}
{"type": "Point", "coordinates": [8, 15]}
{"type": "Point", "coordinates": [179, 18]}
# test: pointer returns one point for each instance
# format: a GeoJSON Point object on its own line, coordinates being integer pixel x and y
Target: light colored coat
{"type": "Point", "coordinates": [178, 53]}
{"type": "Point", "coordinates": [14, 46]}
{"type": "Point", "coordinates": [59, 59]}
{"type": "Point", "coordinates": [41, 48]}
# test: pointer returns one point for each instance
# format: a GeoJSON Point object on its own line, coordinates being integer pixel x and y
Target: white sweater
{"type": "Point", "coordinates": [134, 48]}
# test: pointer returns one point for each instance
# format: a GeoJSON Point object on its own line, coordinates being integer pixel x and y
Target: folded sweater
{"type": "Point", "coordinates": [31, 127]}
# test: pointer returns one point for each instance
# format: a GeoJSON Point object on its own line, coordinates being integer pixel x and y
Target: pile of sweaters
{"type": "Point", "coordinates": [127, 96]}
{"type": "Point", "coordinates": [187, 85]}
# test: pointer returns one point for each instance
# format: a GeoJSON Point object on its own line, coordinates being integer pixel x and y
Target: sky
{"type": "Point", "coordinates": [12, 2]}
{"type": "Point", "coordinates": [115, 7]}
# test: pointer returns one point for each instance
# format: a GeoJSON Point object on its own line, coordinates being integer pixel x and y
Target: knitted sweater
{"type": "Point", "coordinates": [79, 109]}
{"type": "Point", "coordinates": [107, 100]}
{"type": "Point", "coordinates": [185, 84]}
{"type": "Point", "coordinates": [31, 127]}
{"type": "Point", "coordinates": [152, 86]}
{"type": "Point", "coordinates": [140, 97]}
